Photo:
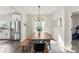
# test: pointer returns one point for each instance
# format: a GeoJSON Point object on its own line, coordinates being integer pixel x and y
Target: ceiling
{"type": "Point", "coordinates": [5, 9]}
{"type": "Point", "coordinates": [29, 10]}
{"type": "Point", "coordinates": [75, 13]}
{"type": "Point", "coordinates": [34, 10]}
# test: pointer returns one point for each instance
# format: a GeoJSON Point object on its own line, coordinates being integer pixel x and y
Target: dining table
{"type": "Point", "coordinates": [36, 37]}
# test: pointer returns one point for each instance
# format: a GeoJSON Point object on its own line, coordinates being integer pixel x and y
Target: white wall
{"type": "Point", "coordinates": [23, 26]}
{"type": "Point", "coordinates": [58, 32]}
{"type": "Point", "coordinates": [48, 24]}
{"type": "Point", "coordinates": [29, 25]}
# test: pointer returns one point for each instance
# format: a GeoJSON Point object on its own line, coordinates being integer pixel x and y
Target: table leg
{"type": "Point", "coordinates": [46, 49]}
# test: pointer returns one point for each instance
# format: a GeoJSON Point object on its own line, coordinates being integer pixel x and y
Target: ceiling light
{"type": "Point", "coordinates": [39, 17]}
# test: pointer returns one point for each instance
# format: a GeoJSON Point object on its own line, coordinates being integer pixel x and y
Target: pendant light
{"type": "Point", "coordinates": [39, 17]}
{"type": "Point", "coordinates": [39, 14]}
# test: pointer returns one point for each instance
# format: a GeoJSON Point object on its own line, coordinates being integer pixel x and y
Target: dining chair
{"type": "Point", "coordinates": [39, 47]}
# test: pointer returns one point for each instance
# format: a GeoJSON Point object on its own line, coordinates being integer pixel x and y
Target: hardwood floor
{"type": "Point", "coordinates": [9, 46]}
{"type": "Point", "coordinates": [75, 45]}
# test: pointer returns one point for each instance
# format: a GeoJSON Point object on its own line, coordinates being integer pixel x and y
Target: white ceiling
{"type": "Point", "coordinates": [29, 10]}
{"type": "Point", "coordinates": [75, 13]}
{"type": "Point", "coordinates": [34, 10]}
{"type": "Point", "coordinates": [5, 9]}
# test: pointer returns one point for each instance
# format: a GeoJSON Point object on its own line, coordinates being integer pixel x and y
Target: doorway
{"type": "Point", "coordinates": [75, 31]}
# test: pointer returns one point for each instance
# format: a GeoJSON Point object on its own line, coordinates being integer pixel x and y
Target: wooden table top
{"type": "Point", "coordinates": [36, 36]}
{"type": "Point", "coordinates": [40, 36]}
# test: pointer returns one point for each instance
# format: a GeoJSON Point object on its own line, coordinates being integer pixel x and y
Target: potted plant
{"type": "Point", "coordinates": [39, 29]}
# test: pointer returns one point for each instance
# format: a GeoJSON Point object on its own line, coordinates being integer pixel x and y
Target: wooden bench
{"type": "Point", "coordinates": [24, 45]}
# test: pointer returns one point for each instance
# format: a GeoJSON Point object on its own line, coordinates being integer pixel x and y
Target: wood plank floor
{"type": "Point", "coordinates": [8, 46]}
{"type": "Point", "coordinates": [75, 45]}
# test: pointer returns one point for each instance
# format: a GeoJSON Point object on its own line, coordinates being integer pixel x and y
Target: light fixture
{"type": "Point", "coordinates": [39, 13]}
{"type": "Point", "coordinates": [39, 17]}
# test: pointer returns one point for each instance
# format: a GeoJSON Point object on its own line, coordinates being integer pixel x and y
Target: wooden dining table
{"type": "Point", "coordinates": [39, 35]}
{"type": "Point", "coordinates": [36, 36]}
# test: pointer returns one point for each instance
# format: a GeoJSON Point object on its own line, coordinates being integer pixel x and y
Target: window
{"type": "Point", "coordinates": [38, 26]}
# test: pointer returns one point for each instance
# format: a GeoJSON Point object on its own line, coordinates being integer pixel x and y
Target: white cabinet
{"type": "Point", "coordinates": [5, 34]}
{"type": "Point", "coordinates": [10, 27]}
{"type": "Point", "coordinates": [4, 26]}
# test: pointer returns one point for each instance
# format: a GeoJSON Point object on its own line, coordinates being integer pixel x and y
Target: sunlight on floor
{"type": "Point", "coordinates": [60, 40]}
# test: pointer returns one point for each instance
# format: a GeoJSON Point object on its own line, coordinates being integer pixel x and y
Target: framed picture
{"type": "Point", "coordinates": [53, 23]}
{"type": "Point", "coordinates": [58, 22]}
